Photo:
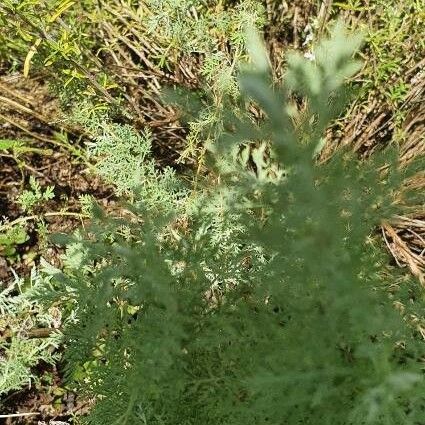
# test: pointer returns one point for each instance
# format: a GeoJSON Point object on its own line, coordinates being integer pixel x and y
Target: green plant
{"type": "Point", "coordinates": [28, 333]}
{"type": "Point", "coordinates": [12, 237]}
{"type": "Point", "coordinates": [124, 159]}
{"type": "Point", "coordinates": [393, 41]}
{"type": "Point", "coordinates": [36, 36]}
{"type": "Point", "coordinates": [18, 147]}
{"type": "Point", "coordinates": [307, 335]}
{"type": "Point", "coordinates": [29, 199]}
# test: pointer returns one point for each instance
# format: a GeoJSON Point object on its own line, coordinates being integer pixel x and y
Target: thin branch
{"type": "Point", "coordinates": [21, 220]}
{"type": "Point", "coordinates": [18, 415]}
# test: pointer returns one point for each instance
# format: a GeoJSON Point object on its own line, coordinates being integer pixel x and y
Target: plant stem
{"type": "Point", "coordinates": [21, 220]}
{"type": "Point", "coordinates": [18, 415]}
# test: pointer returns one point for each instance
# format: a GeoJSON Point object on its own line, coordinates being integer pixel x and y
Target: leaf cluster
{"type": "Point", "coordinates": [29, 199]}
{"type": "Point", "coordinates": [21, 348]}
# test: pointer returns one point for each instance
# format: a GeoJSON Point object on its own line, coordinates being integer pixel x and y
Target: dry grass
{"type": "Point", "coordinates": [370, 126]}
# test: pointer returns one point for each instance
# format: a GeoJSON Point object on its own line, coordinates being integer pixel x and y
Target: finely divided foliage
{"type": "Point", "coordinates": [20, 314]}
{"type": "Point", "coordinates": [290, 325]}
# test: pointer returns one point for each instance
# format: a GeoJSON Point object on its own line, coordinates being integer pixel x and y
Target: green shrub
{"type": "Point", "coordinates": [268, 306]}
{"type": "Point", "coordinates": [29, 333]}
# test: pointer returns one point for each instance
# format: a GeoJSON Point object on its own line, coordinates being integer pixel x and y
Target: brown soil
{"type": "Point", "coordinates": [30, 114]}
{"type": "Point", "coordinates": [45, 402]}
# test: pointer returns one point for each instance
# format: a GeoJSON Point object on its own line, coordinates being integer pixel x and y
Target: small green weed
{"type": "Point", "coordinates": [30, 199]}
{"type": "Point", "coordinates": [12, 238]}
